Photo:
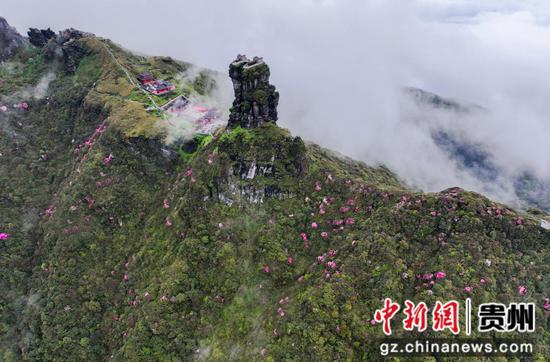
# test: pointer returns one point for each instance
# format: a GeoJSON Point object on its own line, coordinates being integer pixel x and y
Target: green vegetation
{"type": "Point", "coordinates": [88, 69]}
{"type": "Point", "coordinates": [25, 70]}
{"type": "Point", "coordinates": [203, 83]}
{"type": "Point", "coordinates": [243, 135]}
{"type": "Point", "coordinates": [126, 249]}
{"type": "Point", "coordinates": [189, 149]}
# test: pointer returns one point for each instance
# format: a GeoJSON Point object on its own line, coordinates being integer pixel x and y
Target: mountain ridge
{"type": "Point", "coordinates": [124, 248]}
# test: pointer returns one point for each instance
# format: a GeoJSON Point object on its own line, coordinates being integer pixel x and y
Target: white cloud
{"type": "Point", "coordinates": [339, 66]}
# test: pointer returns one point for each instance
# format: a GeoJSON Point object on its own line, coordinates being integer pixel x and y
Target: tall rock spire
{"type": "Point", "coordinates": [255, 99]}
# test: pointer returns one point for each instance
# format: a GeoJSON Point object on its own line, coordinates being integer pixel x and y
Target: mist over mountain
{"type": "Point", "coordinates": [340, 67]}
{"type": "Point", "coordinates": [478, 158]}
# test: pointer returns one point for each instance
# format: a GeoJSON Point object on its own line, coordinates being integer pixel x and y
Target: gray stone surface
{"type": "Point", "coordinates": [255, 99]}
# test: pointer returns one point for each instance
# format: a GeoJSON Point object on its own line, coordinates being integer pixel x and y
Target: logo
{"type": "Point", "coordinates": [497, 317]}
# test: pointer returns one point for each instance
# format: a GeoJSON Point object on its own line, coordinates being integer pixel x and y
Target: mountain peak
{"type": "Point", "coordinates": [10, 39]}
{"type": "Point", "coordinates": [256, 99]}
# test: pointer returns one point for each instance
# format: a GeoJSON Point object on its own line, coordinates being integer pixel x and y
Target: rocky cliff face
{"type": "Point", "coordinates": [10, 40]}
{"type": "Point", "coordinates": [255, 99]}
{"type": "Point", "coordinates": [39, 37]}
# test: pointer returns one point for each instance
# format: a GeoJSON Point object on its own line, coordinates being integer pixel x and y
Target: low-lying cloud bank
{"type": "Point", "coordinates": [340, 67]}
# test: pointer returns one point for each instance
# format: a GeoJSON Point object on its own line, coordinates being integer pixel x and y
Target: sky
{"type": "Point", "coordinates": [340, 65]}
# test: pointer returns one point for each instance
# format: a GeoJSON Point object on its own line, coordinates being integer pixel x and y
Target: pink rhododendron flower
{"type": "Point", "coordinates": [283, 301]}
{"type": "Point", "coordinates": [304, 236]}
{"type": "Point", "coordinates": [350, 221]}
{"type": "Point", "coordinates": [165, 204]}
{"type": "Point", "coordinates": [331, 253]}
{"type": "Point", "coordinates": [168, 223]}
{"type": "Point", "coordinates": [522, 290]}
{"type": "Point", "coordinates": [289, 260]}
{"type": "Point", "coordinates": [164, 298]}
{"type": "Point", "coordinates": [468, 289]}
{"type": "Point", "coordinates": [281, 312]}
{"type": "Point", "coordinates": [433, 213]}
{"type": "Point", "coordinates": [482, 281]}
{"type": "Point", "coordinates": [317, 186]}
{"type": "Point", "coordinates": [266, 269]}
{"type": "Point", "coordinates": [372, 322]}
{"type": "Point", "coordinates": [126, 277]}
{"type": "Point", "coordinates": [520, 221]}
{"type": "Point", "coordinates": [314, 225]}
{"type": "Point", "coordinates": [50, 210]}
{"type": "Point", "coordinates": [4, 236]}
{"type": "Point", "coordinates": [440, 275]}
{"type": "Point", "coordinates": [324, 234]}
{"type": "Point", "coordinates": [188, 172]}
{"type": "Point", "coordinates": [332, 264]}
{"type": "Point", "coordinates": [546, 306]}
{"type": "Point", "coordinates": [321, 258]}
{"type": "Point", "coordinates": [107, 160]}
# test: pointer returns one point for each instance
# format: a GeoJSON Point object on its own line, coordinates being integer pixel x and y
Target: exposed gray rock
{"type": "Point", "coordinates": [73, 51]}
{"type": "Point", "coordinates": [39, 37]}
{"type": "Point", "coordinates": [255, 99]}
{"type": "Point", "coordinates": [10, 40]}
